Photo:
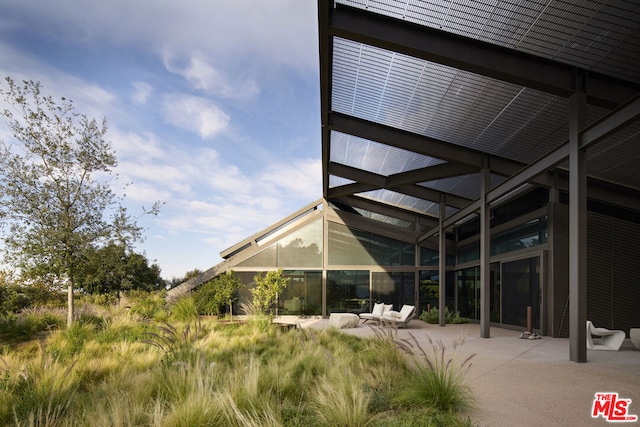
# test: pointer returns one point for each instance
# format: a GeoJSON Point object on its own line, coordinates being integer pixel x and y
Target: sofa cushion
{"type": "Point", "coordinates": [377, 310]}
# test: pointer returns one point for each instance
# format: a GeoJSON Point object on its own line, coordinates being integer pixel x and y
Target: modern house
{"type": "Point", "coordinates": [480, 155]}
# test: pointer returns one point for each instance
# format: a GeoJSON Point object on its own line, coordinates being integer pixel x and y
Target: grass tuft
{"type": "Point", "coordinates": [437, 379]}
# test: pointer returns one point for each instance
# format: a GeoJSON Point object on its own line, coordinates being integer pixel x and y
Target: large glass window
{"type": "Point", "coordinates": [527, 235]}
{"type": "Point", "coordinates": [348, 246]}
{"type": "Point", "coordinates": [302, 248]}
{"type": "Point", "coordinates": [470, 252]}
{"type": "Point", "coordinates": [245, 297]}
{"type": "Point", "coordinates": [393, 288]}
{"type": "Point", "coordinates": [431, 257]}
{"type": "Point", "coordinates": [303, 294]}
{"type": "Point", "coordinates": [512, 288]}
{"type": "Point", "coordinates": [429, 290]}
{"type": "Point", "coordinates": [348, 291]}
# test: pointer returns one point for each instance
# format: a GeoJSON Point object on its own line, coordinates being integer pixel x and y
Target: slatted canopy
{"type": "Point", "coordinates": [418, 96]}
{"type": "Point", "coordinates": [445, 108]}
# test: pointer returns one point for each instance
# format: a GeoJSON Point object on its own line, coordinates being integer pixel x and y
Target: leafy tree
{"type": "Point", "coordinates": [214, 294]}
{"type": "Point", "coordinates": [267, 289]}
{"type": "Point", "coordinates": [56, 197]}
{"type": "Point", "coordinates": [113, 268]}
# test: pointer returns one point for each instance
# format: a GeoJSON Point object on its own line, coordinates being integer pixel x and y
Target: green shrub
{"type": "Point", "coordinates": [433, 316]}
{"type": "Point", "coordinates": [17, 328]}
{"type": "Point", "coordinates": [211, 297]}
{"type": "Point", "coordinates": [184, 310]}
{"type": "Point", "coordinates": [148, 305]}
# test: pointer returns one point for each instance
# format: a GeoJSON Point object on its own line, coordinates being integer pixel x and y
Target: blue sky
{"type": "Point", "coordinates": [212, 106]}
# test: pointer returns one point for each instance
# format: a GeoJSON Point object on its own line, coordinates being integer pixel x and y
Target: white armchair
{"type": "Point", "coordinates": [608, 339]}
{"type": "Point", "coordinates": [378, 312]}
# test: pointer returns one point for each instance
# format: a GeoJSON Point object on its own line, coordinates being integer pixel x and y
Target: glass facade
{"type": "Point", "coordinates": [303, 294]}
{"type": "Point", "coordinates": [429, 290]}
{"type": "Point", "coordinates": [431, 257]}
{"type": "Point", "coordinates": [521, 289]}
{"type": "Point", "coordinates": [528, 235]}
{"type": "Point", "coordinates": [361, 262]}
{"type": "Point", "coordinates": [348, 246]}
{"type": "Point", "coordinates": [302, 248]}
{"type": "Point", "coordinates": [393, 288]}
{"type": "Point", "coordinates": [513, 287]}
{"type": "Point", "coordinates": [348, 291]}
{"type": "Point", "coordinates": [531, 234]}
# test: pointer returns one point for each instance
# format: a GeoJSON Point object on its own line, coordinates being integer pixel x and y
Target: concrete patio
{"type": "Point", "coordinates": [520, 382]}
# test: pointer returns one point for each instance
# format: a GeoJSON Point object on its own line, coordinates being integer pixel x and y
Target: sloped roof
{"type": "Point", "coordinates": [418, 95]}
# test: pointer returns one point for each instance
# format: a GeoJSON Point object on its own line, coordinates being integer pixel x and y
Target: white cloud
{"type": "Point", "coordinates": [141, 92]}
{"type": "Point", "coordinates": [195, 114]}
{"type": "Point", "coordinates": [204, 76]}
{"type": "Point", "coordinates": [279, 31]}
{"type": "Point", "coordinates": [300, 177]}
{"type": "Point", "coordinates": [136, 145]}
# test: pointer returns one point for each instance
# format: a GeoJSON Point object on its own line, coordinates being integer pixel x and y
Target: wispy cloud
{"type": "Point", "coordinates": [201, 73]}
{"type": "Point", "coordinates": [195, 114]}
{"type": "Point", "coordinates": [141, 92]}
{"type": "Point", "coordinates": [222, 28]}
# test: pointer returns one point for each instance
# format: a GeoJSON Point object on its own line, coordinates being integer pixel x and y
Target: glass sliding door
{"type": "Point", "coordinates": [393, 288]}
{"type": "Point", "coordinates": [521, 288]}
{"type": "Point", "coordinates": [495, 304]}
{"type": "Point", "coordinates": [468, 297]}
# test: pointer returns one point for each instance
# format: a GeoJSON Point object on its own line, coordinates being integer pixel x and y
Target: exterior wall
{"type": "Point", "coordinates": [613, 272]}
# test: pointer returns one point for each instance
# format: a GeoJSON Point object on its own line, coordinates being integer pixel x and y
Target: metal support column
{"type": "Point", "coordinates": [442, 262]}
{"type": "Point", "coordinates": [485, 252]}
{"type": "Point", "coordinates": [577, 231]}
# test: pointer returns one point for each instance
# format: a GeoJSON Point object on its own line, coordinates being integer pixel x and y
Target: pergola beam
{"type": "Point", "coordinates": [475, 56]}
{"type": "Point", "coordinates": [369, 181]}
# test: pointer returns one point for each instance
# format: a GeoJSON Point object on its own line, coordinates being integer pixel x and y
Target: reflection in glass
{"type": "Point", "coordinates": [349, 246]}
{"type": "Point", "coordinates": [521, 288]}
{"type": "Point", "coordinates": [303, 294]}
{"type": "Point", "coordinates": [393, 288]}
{"type": "Point", "coordinates": [469, 293]}
{"type": "Point", "coordinates": [302, 248]}
{"type": "Point", "coordinates": [348, 291]}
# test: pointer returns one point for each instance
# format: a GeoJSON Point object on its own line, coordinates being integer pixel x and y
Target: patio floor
{"type": "Point", "coordinates": [519, 382]}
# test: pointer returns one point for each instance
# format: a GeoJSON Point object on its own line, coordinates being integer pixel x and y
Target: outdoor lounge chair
{"type": "Point", "coordinates": [400, 318]}
{"type": "Point", "coordinates": [609, 339]}
{"type": "Point", "coordinates": [379, 309]}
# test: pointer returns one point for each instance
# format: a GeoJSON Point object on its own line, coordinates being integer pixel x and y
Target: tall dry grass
{"type": "Point", "coordinates": [113, 369]}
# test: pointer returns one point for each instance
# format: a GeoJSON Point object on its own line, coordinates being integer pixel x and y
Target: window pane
{"type": "Point", "coordinates": [347, 291]}
{"type": "Point", "coordinates": [303, 294]}
{"type": "Point", "coordinates": [394, 288]}
{"type": "Point", "coordinates": [349, 246]}
{"type": "Point", "coordinates": [302, 248]}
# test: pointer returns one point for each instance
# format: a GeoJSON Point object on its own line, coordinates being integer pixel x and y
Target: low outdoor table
{"type": "Point", "coordinates": [343, 320]}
